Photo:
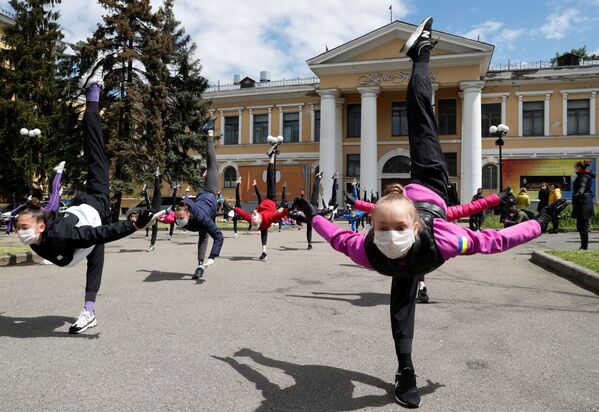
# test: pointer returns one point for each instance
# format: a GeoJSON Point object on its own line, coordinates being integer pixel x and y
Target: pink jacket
{"type": "Point", "coordinates": [451, 240]}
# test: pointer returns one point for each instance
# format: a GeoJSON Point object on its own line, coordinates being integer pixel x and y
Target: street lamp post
{"type": "Point", "coordinates": [31, 133]}
{"type": "Point", "coordinates": [499, 131]}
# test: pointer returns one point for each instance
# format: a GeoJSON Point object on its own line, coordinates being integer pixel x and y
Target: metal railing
{"type": "Point", "coordinates": [541, 64]}
{"type": "Point", "coordinates": [263, 85]}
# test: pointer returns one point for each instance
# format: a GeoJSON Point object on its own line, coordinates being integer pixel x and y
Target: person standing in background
{"type": "Point", "coordinates": [582, 201]}
{"type": "Point", "coordinates": [554, 195]}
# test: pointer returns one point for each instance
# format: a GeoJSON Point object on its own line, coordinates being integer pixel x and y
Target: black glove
{"type": "Point", "coordinates": [349, 198]}
{"type": "Point", "coordinates": [144, 219]}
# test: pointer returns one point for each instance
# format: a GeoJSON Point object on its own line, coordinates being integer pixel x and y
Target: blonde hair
{"type": "Point", "coordinates": [392, 195]}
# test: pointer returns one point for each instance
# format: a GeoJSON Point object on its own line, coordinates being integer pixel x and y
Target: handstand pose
{"type": "Point", "coordinates": [66, 238]}
{"type": "Point", "coordinates": [199, 214]}
{"type": "Point", "coordinates": [266, 212]}
{"type": "Point", "coordinates": [154, 207]}
{"type": "Point", "coordinates": [410, 235]}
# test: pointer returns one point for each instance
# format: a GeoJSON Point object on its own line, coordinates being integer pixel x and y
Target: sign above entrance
{"type": "Point", "coordinates": [379, 78]}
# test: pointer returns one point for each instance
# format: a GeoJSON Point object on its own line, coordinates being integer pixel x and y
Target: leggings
{"type": "Point", "coordinates": [155, 207]}
{"type": "Point", "coordinates": [54, 202]}
{"type": "Point", "coordinates": [210, 186]}
{"type": "Point", "coordinates": [315, 190]}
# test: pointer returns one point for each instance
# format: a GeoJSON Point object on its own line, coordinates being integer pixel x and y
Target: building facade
{"type": "Point", "coordinates": [352, 118]}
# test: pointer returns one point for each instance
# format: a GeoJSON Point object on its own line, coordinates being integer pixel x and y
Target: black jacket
{"type": "Point", "coordinates": [61, 237]}
{"type": "Point", "coordinates": [543, 199]}
{"type": "Point", "coordinates": [582, 196]}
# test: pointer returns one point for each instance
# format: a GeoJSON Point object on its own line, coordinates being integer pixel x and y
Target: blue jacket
{"type": "Point", "coordinates": [203, 213]}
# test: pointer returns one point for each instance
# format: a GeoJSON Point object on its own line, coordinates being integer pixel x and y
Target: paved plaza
{"type": "Point", "coordinates": [305, 330]}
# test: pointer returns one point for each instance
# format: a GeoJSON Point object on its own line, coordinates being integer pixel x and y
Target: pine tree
{"type": "Point", "coordinates": [185, 112]}
{"type": "Point", "coordinates": [33, 95]}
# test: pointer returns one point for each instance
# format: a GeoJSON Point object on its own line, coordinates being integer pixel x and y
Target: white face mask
{"type": "Point", "coordinates": [28, 236]}
{"type": "Point", "coordinates": [394, 244]}
{"type": "Point", "coordinates": [182, 222]}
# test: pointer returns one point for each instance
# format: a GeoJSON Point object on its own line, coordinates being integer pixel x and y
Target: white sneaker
{"type": "Point", "coordinates": [235, 235]}
{"type": "Point", "coordinates": [60, 167]}
{"type": "Point", "coordinates": [85, 321]}
{"type": "Point", "coordinates": [280, 139]}
{"type": "Point", "coordinates": [272, 139]}
{"type": "Point", "coordinates": [94, 75]}
{"type": "Point", "coordinates": [151, 248]}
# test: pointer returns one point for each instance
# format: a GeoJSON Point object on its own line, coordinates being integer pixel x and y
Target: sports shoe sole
{"type": "Point", "coordinates": [91, 324]}
{"type": "Point", "coordinates": [412, 39]}
{"type": "Point", "coordinates": [273, 149]}
{"type": "Point", "coordinates": [405, 404]}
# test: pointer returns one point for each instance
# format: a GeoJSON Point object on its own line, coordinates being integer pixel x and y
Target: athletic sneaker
{"type": "Point", "coordinates": [274, 141]}
{"type": "Point", "coordinates": [262, 256]}
{"type": "Point", "coordinates": [170, 237]}
{"type": "Point", "coordinates": [406, 392]}
{"type": "Point", "coordinates": [420, 38]}
{"type": "Point", "coordinates": [95, 75]}
{"type": "Point", "coordinates": [83, 322]}
{"type": "Point", "coordinates": [60, 167]}
{"type": "Point", "coordinates": [199, 273]}
{"type": "Point", "coordinates": [422, 296]}
{"type": "Point", "coordinates": [151, 248]}
{"type": "Point", "coordinates": [309, 247]}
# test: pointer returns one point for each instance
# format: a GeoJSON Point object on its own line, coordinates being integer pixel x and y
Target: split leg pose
{"type": "Point", "coordinates": [266, 212]}
{"type": "Point", "coordinates": [410, 235]}
{"type": "Point", "coordinates": [199, 214]}
{"type": "Point", "coordinates": [155, 208]}
{"type": "Point", "coordinates": [81, 232]}
{"type": "Point", "coordinates": [169, 217]}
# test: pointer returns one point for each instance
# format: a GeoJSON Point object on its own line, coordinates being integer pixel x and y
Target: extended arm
{"type": "Point", "coordinates": [345, 241]}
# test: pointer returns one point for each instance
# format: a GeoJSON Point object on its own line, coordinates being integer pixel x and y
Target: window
{"type": "Point", "coordinates": [451, 159]}
{"type": "Point", "coordinates": [354, 120]}
{"type": "Point", "coordinates": [260, 128]}
{"type": "Point", "coordinates": [447, 116]}
{"type": "Point", "coordinates": [291, 127]}
{"type": "Point", "coordinates": [230, 175]}
{"type": "Point", "coordinates": [397, 164]}
{"type": "Point", "coordinates": [399, 119]}
{"type": "Point", "coordinates": [317, 125]}
{"type": "Point", "coordinates": [231, 130]}
{"type": "Point", "coordinates": [490, 116]}
{"type": "Point", "coordinates": [352, 165]}
{"type": "Point", "coordinates": [578, 117]}
{"type": "Point", "coordinates": [533, 118]}
{"type": "Point", "coordinates": [490, 177]}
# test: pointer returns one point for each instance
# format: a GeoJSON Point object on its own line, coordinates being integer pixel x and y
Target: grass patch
{"type": "Point", "coordinates": [587, 258]}
{"type": "Point", "coordinates": [565, 220]}
{"type": "Point", "coordinates": [13, 249]}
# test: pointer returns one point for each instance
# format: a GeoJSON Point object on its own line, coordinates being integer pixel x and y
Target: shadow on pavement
{"type": "Point", "coordinates": [287, 248]}
{"type": "Point", "coordinates": [159, 276]}
{"type": "Point", "coordinates": [129, 250]}
{"type": "Point", "coordinates": [316, 387]}
{"type": "Point", "coordinates": [238, 258]}
{"type": "Point", "coordinates": [364, 299]}
{"type": "Point", "coordinates": [40, 327]}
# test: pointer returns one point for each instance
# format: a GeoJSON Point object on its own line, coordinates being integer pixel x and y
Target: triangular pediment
{"type": "Point", "coordinates": [378, 44]}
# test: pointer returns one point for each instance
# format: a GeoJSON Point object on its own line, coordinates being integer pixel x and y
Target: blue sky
{"type": "Point", "coordinates": [247, 36]}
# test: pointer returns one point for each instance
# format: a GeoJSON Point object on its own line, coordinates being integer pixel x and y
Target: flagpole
{"type": "Point", "coordinates": [391, 14]}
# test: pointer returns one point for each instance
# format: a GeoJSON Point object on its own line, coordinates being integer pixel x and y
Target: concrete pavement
{"type": "Point", "coordinates": [301, 331]}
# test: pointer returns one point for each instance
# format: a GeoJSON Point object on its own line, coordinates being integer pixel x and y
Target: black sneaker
{"type": "Point", "coordinates": [309, 247]}
{"type": "Point", "coordinates": [406, 392]}
{"type": "Point", "coordinates": [199, 273]}
{"type": "Point", "coordinates": [262, 256]}
{"type": "Point", "coordinates": [422, 295]}
{"type": "Point", "coordinates": [420, 38]}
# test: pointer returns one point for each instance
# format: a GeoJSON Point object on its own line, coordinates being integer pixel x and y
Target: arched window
{"type": "Point", "coordinates": [490, 176]}
{"type": "Point", "coordinates": [230, 175]}
{"type": "Point", "coordinates": [397, 164]}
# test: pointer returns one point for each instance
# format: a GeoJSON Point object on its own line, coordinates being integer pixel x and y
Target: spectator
{"type": "Point", "coordinates": [582, 201]}
{"type": "Point", "coordinates": [476, 220]}
{"type": "Point", "coordinates": [516, 216]}
{"type": "Point", "coordinates": [507, 201]}
{"type": "Point", "coordinates": [554, 194]}
{"type": "Point", "coordinates": [522, 200]}
{"type": "Point", "coordinates": [543, 197]}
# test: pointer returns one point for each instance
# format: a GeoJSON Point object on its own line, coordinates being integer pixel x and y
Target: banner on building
{"type": "Point", "coordinates": [294, 175]}
{"type": "Point", "coordinates": [531, 173]}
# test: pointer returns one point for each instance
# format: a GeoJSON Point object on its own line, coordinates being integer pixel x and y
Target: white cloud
{"type": "Point", "coordinates": [247, 36]}
{"type": "Point", "coordinates": [496, 33]}
{"type": "Point", "coordinates": [561, 23]}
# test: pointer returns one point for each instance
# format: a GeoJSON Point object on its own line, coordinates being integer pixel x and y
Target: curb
{"type": "Point", "coordinates": [27, 258]}
{"type": "Point", "coordinates": [579, 275]}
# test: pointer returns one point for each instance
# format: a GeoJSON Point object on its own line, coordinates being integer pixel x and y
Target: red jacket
{"type": "Point", "coordinates": [268, 210]}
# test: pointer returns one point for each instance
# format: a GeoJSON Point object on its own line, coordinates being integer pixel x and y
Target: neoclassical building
{"type": "Point", "coordinates": [352, 118]}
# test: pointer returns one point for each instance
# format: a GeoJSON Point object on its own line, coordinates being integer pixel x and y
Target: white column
{"type": "Point", "coordinates": [565, 114]}
{"type": "Point", "coordinates": [592, 108]}
{"type": "Point", "coordinates": [327, 160]}
{"type": "Point", "coordinates": [251, 126]}
{"type": "Point", "coordinates": [368, 138]}
{"type": "Point", "coordinates": [546, 113]}
{"type": "Point", "coordinates": [222, 126]}
{"type": "Point", "coordinates": [503, 110]}
{"type": "Point", "coordinates": [240, 112]}
{"type": "Point", "coordinates": [280, 121]}
{"type": "Point", "coordinates": [471, 164]}
{"type": "Point", "coordinates": [339, 145]}
{"type": "Point", "coordinates": [301, 121]}
{"type": "Point", "coordinates": [312, 122]}
{"type": "Point", "coordinates": [520, 125]}
{"type": "Point", "coordinates": [270, 121]}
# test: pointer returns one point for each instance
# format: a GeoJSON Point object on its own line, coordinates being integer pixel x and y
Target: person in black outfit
{"type": "Point", "coordinates": [66, 238]}
{"type": "Point", "coordinates": [543, 197]}
{"type": "Point", "coordinates": [477, 219]}
{"type": "Point", "coordinates": [154, 207]}
{"type": "Point", "coordinates": [582, 201]}
{"type": "Point", "coordinates": [507, 201]}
